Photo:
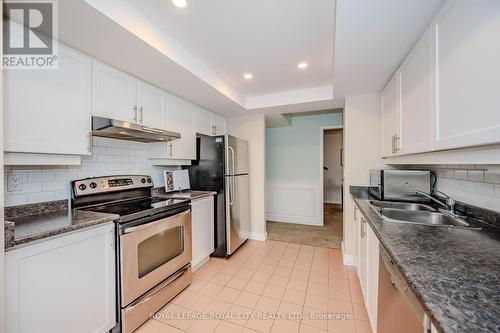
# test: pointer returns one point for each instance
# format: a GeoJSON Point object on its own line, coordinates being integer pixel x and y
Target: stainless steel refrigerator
{"type": "Point", "coordinates": [222, 166]}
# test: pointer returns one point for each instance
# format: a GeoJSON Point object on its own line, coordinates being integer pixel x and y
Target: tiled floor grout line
{"type": "Point", "coordinates": [282, 257]}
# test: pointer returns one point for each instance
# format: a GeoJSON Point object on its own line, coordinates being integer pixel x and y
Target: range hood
{"type": "Point", "coordinates": [117, 129]}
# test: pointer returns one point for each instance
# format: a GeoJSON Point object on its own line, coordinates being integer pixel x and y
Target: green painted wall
{"type": "Point", "coordinates": [293, 153]}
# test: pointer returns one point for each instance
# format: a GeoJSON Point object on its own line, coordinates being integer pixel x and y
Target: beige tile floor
{"type": "Point", "coordinates": [266, 287]}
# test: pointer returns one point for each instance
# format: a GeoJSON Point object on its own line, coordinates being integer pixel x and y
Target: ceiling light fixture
{"type": "Point", "coordinates": [302, 65]}
{"type": "Point", "coordinates": [180, 3]}
{"type": "Point", "coordinates": [248, 76]}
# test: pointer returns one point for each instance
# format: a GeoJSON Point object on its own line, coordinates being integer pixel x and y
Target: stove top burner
{"type": "Point", "coordinates": [128, 210]}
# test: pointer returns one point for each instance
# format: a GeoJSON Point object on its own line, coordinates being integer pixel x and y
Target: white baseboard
{"type": "Point", "coordinates": [348, 260]}
{"type": "Point", "coordinates": [195, 265]}
{"type": "Point", "coordinates": [258, 236]}
{"type": "Point", "coordinates": [294, 202]}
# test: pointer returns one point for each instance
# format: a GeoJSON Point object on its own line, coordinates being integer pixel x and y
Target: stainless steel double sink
{"type": "Point", "coordinates": [413, 213]}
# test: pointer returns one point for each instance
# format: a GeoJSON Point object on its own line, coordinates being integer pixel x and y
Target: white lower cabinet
{"type": "Point", "coordinates": [202, 229]}
{"type": "Point", "coordinates": [66, 284]}
{"type": "Point", "coordinates": [368, 266]}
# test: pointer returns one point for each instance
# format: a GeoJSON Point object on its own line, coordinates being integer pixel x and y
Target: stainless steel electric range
{"type": "Point", "coordinates": [153, 237]}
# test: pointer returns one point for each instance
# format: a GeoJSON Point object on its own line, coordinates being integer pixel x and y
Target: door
{"type": "Point", "coordinates": [203, 229]}
{"type": "Point", "coordinates": [114, 93]}
{"type": "Point", "coordinates": [416, 98]}
{"type": "Point", "coordinates": [237, 156]}
{"type": "Point", "coordinates": [65, 284]}
{"type": "Point", "coordinates": [151, 252]}
{"type": "Point", "coordinates": [390, 116]}
{"type": "Point", "coordinates": [204, 122]}
{"type": "Point", "coordinates": [363, 256]}
{"type": "Point", "coordinates": [218, 125]}
{"type": "Point", "coordinates": [152, 105]}
{"type": "Point", "coordinates": [468, 74]}
{"type": "Point", "coordinates": [48, 111]}
{"type": "Point", "coordinates": [181, 119]}
{"type": "Point", "coordinates": [237, 211]}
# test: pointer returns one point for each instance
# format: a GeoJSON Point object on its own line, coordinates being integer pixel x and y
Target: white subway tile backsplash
{"type": "Point", "coordinates": [475, 184]}
{"type": "Point", "coordinates": [109, 157]}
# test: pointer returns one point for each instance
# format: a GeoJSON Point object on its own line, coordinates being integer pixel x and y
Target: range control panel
{"type": "Point", "coordinates": [99, 185]}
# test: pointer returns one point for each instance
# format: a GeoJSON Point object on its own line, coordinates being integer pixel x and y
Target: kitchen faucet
{"type": "Point", "coordinates": [450, 202]}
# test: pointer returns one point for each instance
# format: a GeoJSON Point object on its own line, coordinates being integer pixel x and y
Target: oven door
{"type": "Point", "coordinates": [151, 252]}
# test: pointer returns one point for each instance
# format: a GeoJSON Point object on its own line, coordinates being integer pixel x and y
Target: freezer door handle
{"type": "Point", "coordinates": [231, 184]}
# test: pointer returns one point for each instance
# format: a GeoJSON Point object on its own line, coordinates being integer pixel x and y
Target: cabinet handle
{"type": "Point", "coordinates": [135, 113]}
{"type": "Point", "coordinates": [141, 110]}
{"type": "Point", "coordinates": [355, 212]}
{"type": "Point", "coordinates": [361, 228]}
{"type": "Point", "coordinates": [89, 148]}
{"type": "Point", "coordinates": [364, 228]}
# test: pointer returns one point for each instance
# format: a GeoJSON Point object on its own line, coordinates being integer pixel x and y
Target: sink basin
{"type": "Point", "coordinates": [401, 205]}
{"type": "Point", "coordinates": [422, 217]}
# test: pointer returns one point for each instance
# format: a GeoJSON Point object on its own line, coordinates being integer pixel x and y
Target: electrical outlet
{"type": "Point", "coordinates": [14, 182]}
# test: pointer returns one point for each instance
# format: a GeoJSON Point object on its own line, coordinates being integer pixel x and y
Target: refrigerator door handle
{"type": "Point", "coordinates": [231, 185]}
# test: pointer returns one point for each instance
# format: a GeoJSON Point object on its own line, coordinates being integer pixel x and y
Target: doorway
{"type": "Point", "coordinates": [332, 164]}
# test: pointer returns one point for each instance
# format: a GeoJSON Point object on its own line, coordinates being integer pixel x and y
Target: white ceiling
{"type": "Point", "coordinates": [201, 53]}
{"type": "Point", "coordinates": [266, 38]}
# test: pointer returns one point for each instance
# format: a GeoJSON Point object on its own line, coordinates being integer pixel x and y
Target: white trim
{"type": "Point", "coordinates": [348, 260]}
{"type": "Point", "coordinates": [197, 266]}
{"type": "Point", "coordinates": [41, 159]}
{"type": "Point", "coordinates": [322, 130]}
{"type": "Point", "coordinates": [258, 236]}
{"type": "Point", "coordinates": [297, 202]}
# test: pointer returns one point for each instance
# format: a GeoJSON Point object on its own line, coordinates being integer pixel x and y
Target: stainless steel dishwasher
{"type": "Point", "coordinates": [399, 310]}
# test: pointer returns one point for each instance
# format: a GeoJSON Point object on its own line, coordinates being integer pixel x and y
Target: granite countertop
{"type": "Point", "coordinates": [455, 273]}
{"type": "Point", "coordinates": [31, 223]}
{"type": "Point", "coordinates": [185, 194]}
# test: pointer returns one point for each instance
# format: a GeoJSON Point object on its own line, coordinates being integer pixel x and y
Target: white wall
{"type": "Point", "coordinates": [109, 157]}
{"type": "Point", "coordinates": [332, 178]}
{"type": "Point", "coordinates": [253, 129]}
{"type": "Point", "coordinates": [362, 143]}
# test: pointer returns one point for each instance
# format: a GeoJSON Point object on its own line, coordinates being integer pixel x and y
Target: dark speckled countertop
{"type": "Point", "coordinates": [31, 223]}
{"type": "Point", "coordinates": [455, 273]}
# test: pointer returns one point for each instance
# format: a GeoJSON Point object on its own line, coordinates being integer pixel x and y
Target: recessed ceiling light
{"type": "Point", "coordinates": [302, 65]}
{"type": "Point", "coordinates": [180, 3]}
{"type": "Point", "coordinates": [248, 76]}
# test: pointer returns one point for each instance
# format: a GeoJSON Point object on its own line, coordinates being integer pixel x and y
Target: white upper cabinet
{"type": "Point", "coordinates": [468, 74]}
{"type": "Point", "coordinates": [390, 116]}
{"type": "Point", "coordinates": [114, 93]}
{"type": "Point", "coordinates": [416, 98]}
{"type": "Point", "coordinates": [204, 121]}
{"type": "Point", "coordinates": [181, 118]}
{"type": "Point", "coordinates": [48, 111]}
{"type": "Point", "coordinates": [209, 123]}
{"type": "Point", "coordinates": [152, 105]}
{"type": "Point", "coordinates": [218, 125]}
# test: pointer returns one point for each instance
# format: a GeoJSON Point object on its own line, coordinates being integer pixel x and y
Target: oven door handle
{"type": "Point", "coordinates": [152, 224]}
{"type": "Point", "coordinates": [155, 290]}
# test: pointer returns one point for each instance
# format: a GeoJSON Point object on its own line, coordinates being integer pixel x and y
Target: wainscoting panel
{"type": "Point", "coordinates": [294, 202]}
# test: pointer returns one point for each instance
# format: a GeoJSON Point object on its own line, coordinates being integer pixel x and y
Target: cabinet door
{"type": "Point", "coordinates": [203, 229]}
{"type": "Point", "coordinates": [468, 74]}
{"type": "Point", "coordinates": [219, 125]}
{"type": "Point", "coordinates": [180, 118]}
{"type": "Point", "coordinates": [363, 256]}
{"type": "Point", "coordinates": [416, 98]}
{"type": "Point", "coordinates": [48, 111]}
{"type": "Point", "coordinates": [66, 284]}
{"type": "Point", "coordinates": [390, 116]}
{"type": "Point", "coordinates": [204, 121]}
{"type": "Point", "coordinates": [152, 107]}
{"type": "Point", "coordinates": [114, 93]}
{"type": "Point", "coordinates": [372, 276]}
